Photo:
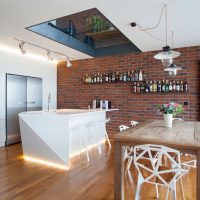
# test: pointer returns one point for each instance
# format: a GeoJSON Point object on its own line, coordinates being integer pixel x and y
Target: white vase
{"type": "Point", "coordinates": [168, 118]}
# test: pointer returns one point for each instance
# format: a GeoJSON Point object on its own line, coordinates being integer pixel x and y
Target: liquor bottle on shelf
{"type": "Point", "coordinates": [166, 86]}
{"type": "Point", "coordinates": [101, 78]}
{"type": "Point", "coordinates": [113, 77]}
{"type": "Point", "coordinates": [132, 76]}
{"type": "Point", "coordinates": [163, 86]}
{"type": "Point", "coordinates": [174, 86]}
{"type": "Point", "coordinates": [128, 78]}
{"type": "Point", "coordinates": [136, 76]}
{"type": "Point", "coordinates": [107, 78]}
{"type": "Point", "coordinates": [177, 86]}
{"type": "Point", "coordinates": [170, 87]}
{"type": "Point", "coordinates": [134, 87]}
{"type": "Point", "coordinates": [95, 78]}
{"type": "Point", "coordinates": [181, 86]}
{"type": "Point", "coordinates": [138, 88]}
{"type": "Point", "coordinates": [92, 79]}
{"type": "Point", "coordinates": [154, 86]}
{"type": "Point", "coordinates": [121, 77]}
{"type": "Point", "coordinates": [117, 77]}
{"type": "Point", "coordinates": [110, 77]}
{"type": "Point", "coordinates": [150, 86]}
{"type": "Point", "coordinates": [104, 78]}
{"type": "Point", "coordinates": [142, 88]}
{"type": "Point", "coordinates": [140, 78]}
{"type": "Point", "coordinates": [147, 87]}
{"type": "Point", "coordinates": [124, 77]}
{"type": "Point", "coordinates": [98, 77]}
{"type": "Point", "coordinates": [159, 87]}
{"type": "Point", "coordinates": [185, 86]}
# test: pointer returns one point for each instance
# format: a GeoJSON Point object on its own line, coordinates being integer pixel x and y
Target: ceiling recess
{"type": "Point", "coordinates": [89, 32]}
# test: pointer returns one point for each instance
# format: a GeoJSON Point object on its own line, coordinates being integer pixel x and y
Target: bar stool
{"type": "Point", "coordinates": [134, 123]}
{"type": "Point", "coordinates": [91, 137]}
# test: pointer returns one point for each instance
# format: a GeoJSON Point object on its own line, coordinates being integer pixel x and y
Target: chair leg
{"type": "Point", "coordinates": [167, 195]}
{"type": "Point", "coordinates": [99, 148]}
{"type": "Point", "coordinates": [157, 193]}
{"type": "Point", "coordinates": [183, 195]}
{"type": "Point", "coordinates": [108, 140]}
{"type": "Point", "coordinates": [137, 195]}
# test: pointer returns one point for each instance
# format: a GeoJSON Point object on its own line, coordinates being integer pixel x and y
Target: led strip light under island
{"type": "Point", "coordinates": [51, 138]}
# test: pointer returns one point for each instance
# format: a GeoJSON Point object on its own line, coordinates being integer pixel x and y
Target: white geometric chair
{"type": "Point", "coordinates": [134, 123]}
{"type": "Point", "coordinates": [150, 169]}
{"type": "Point", "coordinates": [123, 128]}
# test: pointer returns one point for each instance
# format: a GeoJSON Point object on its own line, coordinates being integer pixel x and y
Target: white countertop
{"type": "Point", "coordinates": [70, 111]}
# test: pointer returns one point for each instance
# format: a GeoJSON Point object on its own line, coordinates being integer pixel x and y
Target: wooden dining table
{"type": "Point", "coordinates": [183, 136]}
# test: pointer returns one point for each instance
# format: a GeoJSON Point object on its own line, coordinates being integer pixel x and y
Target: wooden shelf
{"type": "Point", "coordinates": [104, 33]}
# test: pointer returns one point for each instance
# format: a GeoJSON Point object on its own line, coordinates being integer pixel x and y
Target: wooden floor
{"type": "Point", "coordinates": [22, 180]}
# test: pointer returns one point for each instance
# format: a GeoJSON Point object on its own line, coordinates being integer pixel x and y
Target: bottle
{"type": "Point", "coordinates": [85, 78]}
{"type": "Point", "coordinates": [159, 87]}
{"type": "Point", "coordinates": [117, 77]}
{"type": "Point", "coordinates": [132, 76]}
{"type": "Point", "coordinates": [181, 86]}
{"type": "Point", "coordinates": [185, 86]}
{"type": "Point", "coordinates": [138, 88]}
{"type": "Point", "coordinates": [104, 78]}
{"type": "Point", "coordinates": [140, 76]}
{"type": "Point", "coordinates": [113, 77]}
{"type": "Point", "coordinates": [170, 87]}
{"type": "Point", "coordinates": [150, 87]}
{"type": "Point", "coordinates": [167, 86]}
{"type": "Point", "coordinates": [154, 86]}
{"type": "Point", "coordinates": [147, 87]}
{"type": "Point", "coordinates": [136, 76]}
{"type": "Point", "coordinates": [92, 79]}
{"type": "Point", "coordinates": [163, 86]}
{"type": "Point", "coordinates": [142, 88]}
{"type": "Point", "coordinates": [107, 78]}
{"type": "Point", "coordinates": [124, 77]}
{"type": "Point", "coordinates": [128, 78]}
{"type": "Point", "coordinates": [121, 77]}
{"type": "Point", "coordinates": [174, 86]}
{"type": "Point", "coordinates": [89, 78]}
{"type": "Point", "coordinates": [98, 77]}
{"type": "Point", "coordinates": [134, 87]}
{"type": "Point", "coordinates": [95, 78]}
{"type": "Point", "coordinates": [177, 86]}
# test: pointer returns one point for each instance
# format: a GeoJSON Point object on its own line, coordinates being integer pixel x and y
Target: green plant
{"type": "Point", "coordinates": [95, 23]}
{"type": "Point", "coordinates": [171, 108]}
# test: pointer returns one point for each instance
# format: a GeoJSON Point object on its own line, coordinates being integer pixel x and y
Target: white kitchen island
{"type": "Point", "coordinates": [53, 137]}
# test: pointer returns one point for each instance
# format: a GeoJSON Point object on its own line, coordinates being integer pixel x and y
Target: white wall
{"type": "Point", "coordinates": [23, 65]}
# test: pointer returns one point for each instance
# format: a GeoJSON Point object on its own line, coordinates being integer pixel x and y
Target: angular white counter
{"type": "Point", "coordinates": [53, 137]}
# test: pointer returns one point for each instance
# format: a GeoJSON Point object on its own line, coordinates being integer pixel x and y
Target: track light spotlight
{"type": "Point", "coordinates": [22, 49]}
{"type": "Point", "coordinates": [68, 63]}
{"type": "Point", "coordinates": [49, 57]}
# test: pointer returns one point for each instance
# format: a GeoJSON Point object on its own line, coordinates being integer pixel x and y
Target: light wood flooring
{"type": "Point", "coordinates": [22, 180]}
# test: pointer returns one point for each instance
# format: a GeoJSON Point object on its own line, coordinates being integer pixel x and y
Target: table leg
{"type": "Point", "coordinates": [119, 172]}
{"type": "Point", "coordinates": [198, 175]}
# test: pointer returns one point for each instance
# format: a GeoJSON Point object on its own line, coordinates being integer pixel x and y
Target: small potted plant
{"type": "Point", "coordinates": [170, 110]}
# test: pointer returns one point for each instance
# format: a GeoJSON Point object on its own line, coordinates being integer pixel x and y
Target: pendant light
{"type": "Point", "coordinates": [167, 54]}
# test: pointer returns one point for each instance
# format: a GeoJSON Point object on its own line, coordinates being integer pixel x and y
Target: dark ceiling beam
{"type": "Point", "coordinates": [58, 36]}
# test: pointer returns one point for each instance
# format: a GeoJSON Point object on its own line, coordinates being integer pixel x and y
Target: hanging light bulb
{"type": "Point", "coordinates": [22, 49]}
{"type": "Point", "coordinates": [49, 57]}
{"type": "Point", "coordinates": [167, 55]}
{"type": "Point", "coordinates": [68, 63]}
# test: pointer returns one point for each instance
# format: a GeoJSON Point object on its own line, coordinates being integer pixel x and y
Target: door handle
{"type": "Point", "coordinates": [30, 102]}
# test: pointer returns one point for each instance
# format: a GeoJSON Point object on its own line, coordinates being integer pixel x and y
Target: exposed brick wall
{"type": "Point", "coordinates": [73, 93]}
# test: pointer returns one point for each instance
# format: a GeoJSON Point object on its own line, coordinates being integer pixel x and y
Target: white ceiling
{"type": "Point", "coordinates": [183, 17]}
